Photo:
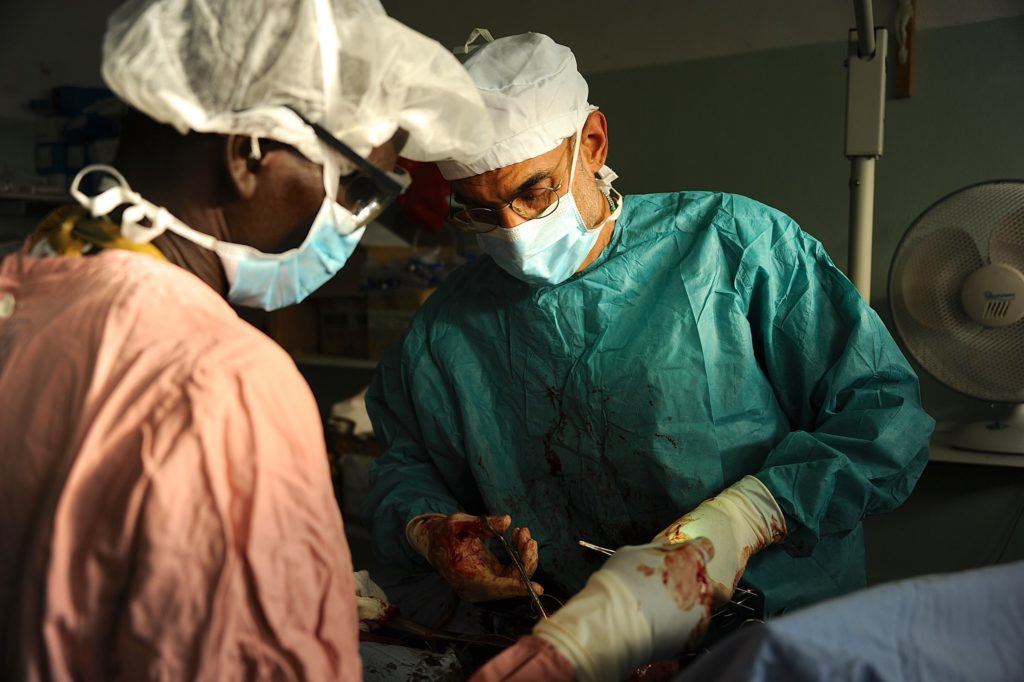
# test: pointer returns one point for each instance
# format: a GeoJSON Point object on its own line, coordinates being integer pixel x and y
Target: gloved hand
{"type": "Point", "coordinates": [741, 520]}
{"type": "Point", "coordinates": [371, 602]}
{"type": "Point", "coordinates": [529, 659]}
{"type": "Point", "coordinates": [646, 603]}
{"type": "Point", "coordinates": [454, 545]}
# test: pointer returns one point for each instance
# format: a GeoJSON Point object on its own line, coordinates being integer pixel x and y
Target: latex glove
{"type": "Point", "coordinates": [455, 546]}
{"type": "Point", "coordinates": [741, 520]}
{"type": "Point", "coordinates": [531, 658]}
{"type": "Point", "coordinates": [371, 602]}
{"type": "Point", "coordinates": [648, 602]}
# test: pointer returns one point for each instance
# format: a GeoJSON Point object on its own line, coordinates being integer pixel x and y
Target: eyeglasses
{"type": "Point", "coordinates": [530, 204]}
{"type": "Point", "coordinates": [368, 189]}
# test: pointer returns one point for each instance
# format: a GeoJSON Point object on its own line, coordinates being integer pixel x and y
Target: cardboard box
{"type": "Point", "coordinates": [294, 328]}
{"type": "Point", "coordinates": [343, 327]}
{"type": "Point", "coordinates": [388, 315]}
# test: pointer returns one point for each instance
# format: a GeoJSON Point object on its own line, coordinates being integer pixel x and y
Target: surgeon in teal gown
{"type": "Point", "coordinates": [711, 339]}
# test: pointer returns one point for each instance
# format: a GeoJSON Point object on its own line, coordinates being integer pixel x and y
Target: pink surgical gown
{"type": "Point", "coordinates": [165, 503]}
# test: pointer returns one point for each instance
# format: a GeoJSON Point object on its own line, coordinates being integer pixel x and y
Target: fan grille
{"type": "Point", "coordinates": [949, 241]}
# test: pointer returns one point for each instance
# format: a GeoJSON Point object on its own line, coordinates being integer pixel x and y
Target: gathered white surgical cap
{"type": "Point", "coordinates": [535, 96]}
{"type": "Point", "coordinates": [235, 66]}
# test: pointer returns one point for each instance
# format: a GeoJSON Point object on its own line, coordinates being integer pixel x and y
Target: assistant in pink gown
{"type": "Point", "coordinates": [166, 509]}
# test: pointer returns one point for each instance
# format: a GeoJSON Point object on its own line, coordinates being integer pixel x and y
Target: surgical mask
{"type": "Point", "coordinates": [549, 250]}
{"type": "Point", "coordinates": [272, 281]}
{"type": "Point", "coordinates": [255, 279]}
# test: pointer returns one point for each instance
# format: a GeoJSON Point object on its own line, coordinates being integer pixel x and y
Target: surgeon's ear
{"type": "Point", "coordinates": [243, 165]}
{"type": "Point", "coordinates": [594, 142]}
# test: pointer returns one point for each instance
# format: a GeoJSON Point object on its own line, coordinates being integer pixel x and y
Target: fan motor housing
{"type": "Point", "coordinates": [993, 295]}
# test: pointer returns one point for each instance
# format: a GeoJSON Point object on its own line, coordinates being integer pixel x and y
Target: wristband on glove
{"type": "Point", "coordinates": [417, 532]}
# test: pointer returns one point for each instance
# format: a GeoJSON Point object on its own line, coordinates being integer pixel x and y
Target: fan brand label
{"type": "Point", "coordinates": [993, 296]}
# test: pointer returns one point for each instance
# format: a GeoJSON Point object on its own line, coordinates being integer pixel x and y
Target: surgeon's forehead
{"type": "Point", "coordinates": [501, 184]}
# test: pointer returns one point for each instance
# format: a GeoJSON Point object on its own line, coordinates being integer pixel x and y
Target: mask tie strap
{"type": "Point", "coordinates": [468, 47]}
{"type": "Point", "coordinates": [575, 155]}
{"type": "Point", "coordinates": [255, 153]}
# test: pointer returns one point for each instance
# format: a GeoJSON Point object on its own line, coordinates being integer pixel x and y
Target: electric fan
{"type": "Point", "coordinates": [956, 291]}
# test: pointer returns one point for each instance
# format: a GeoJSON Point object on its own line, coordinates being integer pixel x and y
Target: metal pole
{"type": "Point", "coordinates": [865, 14]}
{"type": "Point", "coordinates": [865, 123]}
{"type": "Point", "coordinates": [862, 210]}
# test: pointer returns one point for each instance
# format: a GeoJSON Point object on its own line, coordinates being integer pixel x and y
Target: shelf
{"type": "Point", "coordinates": [13, 191]}
{"type": "Point", "coordinates": [941, 451]}
{"type": "Point", "coordinates": [315, 360]}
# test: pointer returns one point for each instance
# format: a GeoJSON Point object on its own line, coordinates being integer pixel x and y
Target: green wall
{"type": "Point", "coordinates": [770, 125]}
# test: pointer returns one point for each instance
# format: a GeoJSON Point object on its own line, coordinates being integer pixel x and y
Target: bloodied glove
{"type": "Point", "coordinates": [647, 602]}
{"type": "Point", "coordinates": [741, 520]}
{"type": "Point", "coordinates": [457, 549]}
{"type": "Point", "coordinates": [371, 602]}
{"type": "Point", "coordinates": [528, 660]}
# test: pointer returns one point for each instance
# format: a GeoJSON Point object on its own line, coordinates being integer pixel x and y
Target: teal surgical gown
{"type": "Point", "coordinates": [712, 339]}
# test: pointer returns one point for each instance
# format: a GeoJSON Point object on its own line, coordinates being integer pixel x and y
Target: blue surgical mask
{"type": "Point", "coordinates": [550, 250]}
{"type": "Point", "coordinates": [272, 281]}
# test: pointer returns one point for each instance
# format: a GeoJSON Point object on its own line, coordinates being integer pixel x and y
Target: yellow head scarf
{"type": "Point", "coordinates": [71, 231]}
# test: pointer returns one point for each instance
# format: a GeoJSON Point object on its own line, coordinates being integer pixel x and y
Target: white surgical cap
{"type": "Point", "coordinates": [234, 66]}
{"type": "Point", "coordinates": [536, 98]}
